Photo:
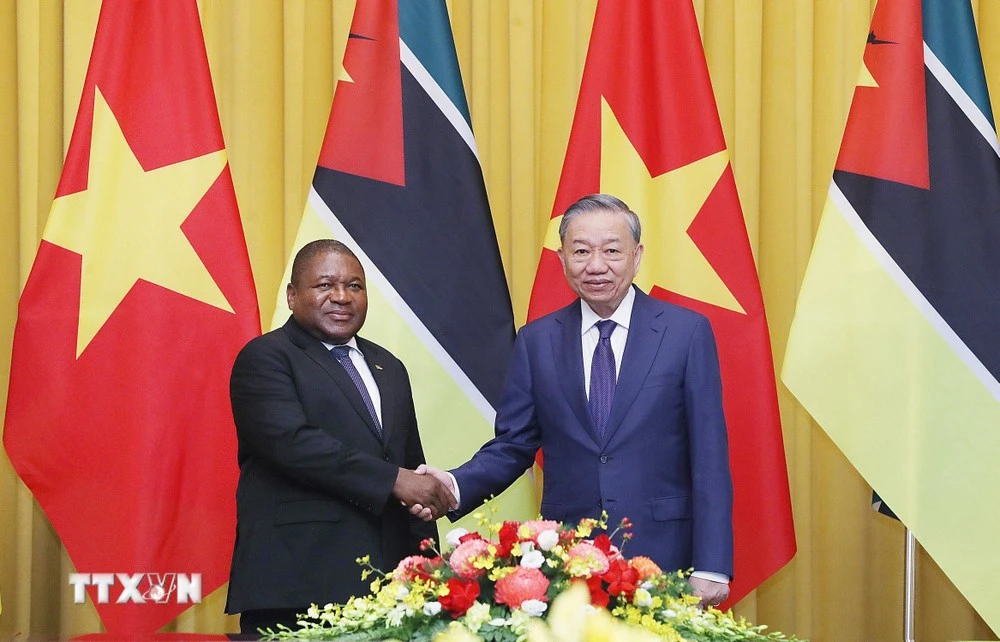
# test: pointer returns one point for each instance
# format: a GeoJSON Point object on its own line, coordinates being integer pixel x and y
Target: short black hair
{"type": "Point", "coordinates": [311, 250]}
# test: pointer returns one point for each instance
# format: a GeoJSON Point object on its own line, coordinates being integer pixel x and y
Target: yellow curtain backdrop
{"type": "Point", "coordinates": [783, 72]}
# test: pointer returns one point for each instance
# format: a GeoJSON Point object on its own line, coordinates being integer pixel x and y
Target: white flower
{"type": "Point", "coordinates": [313, 612]}
{"type": "Point", "coordinates": [547, 540]}
{"type": "Point", "coordinates": [395, 616]}
{"type": "Point", "coordinates": [432, 608]}
{"type": "Point", "coordinates": [642, 598]}
{"type": "Point", "coordinates": [534, 607]}
{"type": "Point", "coordinates": [498, 622]}
{"type": "Point", "coordinates": [533, 559]}
{"type": "Point", "coordinates": [670, 614]}
{"type": "Point", "coordinates": [454, 535]}
{"type": "Point", "coordinates": [401, 592]}
{"type": "Point", "coordinates": [646, 585]}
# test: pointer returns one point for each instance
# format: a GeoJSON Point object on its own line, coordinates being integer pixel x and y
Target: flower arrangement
{"type": "Point", "coordinates": [498, 587]}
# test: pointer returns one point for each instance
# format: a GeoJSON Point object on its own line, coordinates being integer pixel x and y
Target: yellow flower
{"type": "Point", "coordinates": [500, 572]}
{"type": "Point", "coordinates": [586, 527]}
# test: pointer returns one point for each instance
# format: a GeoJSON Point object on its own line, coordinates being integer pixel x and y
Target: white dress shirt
{"type": "Point", "coordinates": [590, 335]}
{"type": "Point", "coordinates": [359, 362]}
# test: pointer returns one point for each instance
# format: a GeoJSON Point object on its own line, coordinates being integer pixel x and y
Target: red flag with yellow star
{"type": "Point", "coordinates": [138, 300]}
{"type": "Point", "coordinates": [647, 130]}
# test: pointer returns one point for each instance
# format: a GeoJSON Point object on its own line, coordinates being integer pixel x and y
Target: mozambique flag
{"type": "Point", "coordinates": [138, 300]}
{"type": "Point", "coordinates": [893, 348]}
{"type": "Point", "coordinates": [399, 181]}
{"type": "Point", "coordinates": [652, 137]}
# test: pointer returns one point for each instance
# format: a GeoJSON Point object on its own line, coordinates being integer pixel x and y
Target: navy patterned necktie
{"type": "Point", "coordinates": [602, 378]}
{"type": "Point", "coordinates": [342, 354]}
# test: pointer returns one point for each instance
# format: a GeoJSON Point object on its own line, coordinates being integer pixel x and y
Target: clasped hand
{"type": "Point", "coordinates": [424, 494]}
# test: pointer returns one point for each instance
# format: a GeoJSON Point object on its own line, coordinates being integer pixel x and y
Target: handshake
{"type": "Point", "coordinates": [426, 491]}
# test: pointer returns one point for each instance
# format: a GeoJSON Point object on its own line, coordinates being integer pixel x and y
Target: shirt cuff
{"type": "Point", "coordinates": [456, 492]}
{"type": "Point", "coordinates": [708, 575]}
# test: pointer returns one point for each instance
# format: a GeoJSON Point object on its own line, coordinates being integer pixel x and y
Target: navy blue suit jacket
{"type": "Point", "coordinates": [663, 462]}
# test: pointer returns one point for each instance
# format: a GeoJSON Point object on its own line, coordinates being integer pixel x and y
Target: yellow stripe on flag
{"type": "Point", "coordinates": [889, 388]}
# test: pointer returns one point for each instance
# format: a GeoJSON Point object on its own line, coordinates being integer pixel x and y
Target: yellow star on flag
{"type": "Point", "coordinates": [667, 204]}
{"type": "Point", "coordinates": [127, 225]}
{"type": "Point", "coordinates": [341, 36]}
{"type": "Point", "coordinates": [865, 77]}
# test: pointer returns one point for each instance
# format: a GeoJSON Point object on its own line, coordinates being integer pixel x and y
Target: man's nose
{"type": "Point", "coordinates": [339, 294]}
{"type": "Point", "coordinates": [596, 263]}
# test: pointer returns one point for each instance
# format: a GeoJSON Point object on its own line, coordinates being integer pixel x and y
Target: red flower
{"type": "Point", "coordinates": [598, 596]}
{"type": "Point", "coordinates": [621, 578]}
{"type": "Point", "coordinates": [603, 542]}
{"type": "Point", "coordinates": [508, 537]}
{"type": "Point", "coordinates": [461, 596]}
{"type": "Point", "coordinates": [469, 537]}
{"type": "Point", "coordinates": [427, 544]}
{"type": "Point", "coordinates": [423, 571]}
{"type": "Point", "coordinates": [523, 584]}
{"type": "Point", "coordinates": [567, 535]}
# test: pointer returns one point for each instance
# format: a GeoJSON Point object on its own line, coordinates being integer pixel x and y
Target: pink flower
{"type": "Point", "coordinates": [530, 530]}
{"type": "Point", "coordinates": [586, 559]}
{"type": "Point", "coordinates": [461, 560]}
{"type": "Point", "coordinates": [521, 585]}
{"type": "Point", "coordinates": [408, 568]}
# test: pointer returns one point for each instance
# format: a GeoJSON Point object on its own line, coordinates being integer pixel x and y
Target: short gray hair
{"type": "Point", "coordinates": [600, 203]}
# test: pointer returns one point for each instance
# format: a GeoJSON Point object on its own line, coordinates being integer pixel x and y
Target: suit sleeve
{"type": "Point", "coordinates": [512, 451]}
{"type": "Point", "coordinates": [712, 486]}
{"type": "Point", "coordinates": [270, 421]}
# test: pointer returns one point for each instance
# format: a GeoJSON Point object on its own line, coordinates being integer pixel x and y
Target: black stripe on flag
{"type": "Point", "coordinates": [434, 240]}
{"type": "Point", "coordinates": [946, 239]}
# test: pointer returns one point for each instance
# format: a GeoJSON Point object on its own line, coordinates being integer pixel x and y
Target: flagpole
{"type": "Point", "coordinates": [909, 585]}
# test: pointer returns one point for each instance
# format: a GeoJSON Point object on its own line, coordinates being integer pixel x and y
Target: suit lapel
{"type": "Point", "coordinates": [321, 355]}
{"type": "Point", "coordinates": [569, 355]}
{"type": "Point", "coordinates": [646, 331]}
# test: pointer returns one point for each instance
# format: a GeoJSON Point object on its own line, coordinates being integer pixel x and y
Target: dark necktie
{"type": "Point", "coordinates": [602, 378]}
{"type": "Point", "coordinates": [343, 356]}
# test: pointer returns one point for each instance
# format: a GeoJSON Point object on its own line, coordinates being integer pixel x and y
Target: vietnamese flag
{"type": "Point", "coordinates": [647, 130]}
{"type": "Point", "coordinates": [138, 300]}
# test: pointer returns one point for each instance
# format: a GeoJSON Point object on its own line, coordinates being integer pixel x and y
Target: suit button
{"type": "Point", "coordinates": [385, 457]}
{"type": "Point", "coordinates": [604, 459]}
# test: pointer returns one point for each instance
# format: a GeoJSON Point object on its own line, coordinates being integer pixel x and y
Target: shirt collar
{"type": "Point", "coordinates": [621, 316]}
{"type": "Point", "coordinates": [352, 342]}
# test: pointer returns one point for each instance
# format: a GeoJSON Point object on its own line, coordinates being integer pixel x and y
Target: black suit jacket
{"type": "Point", "coordinates": [315, 480]}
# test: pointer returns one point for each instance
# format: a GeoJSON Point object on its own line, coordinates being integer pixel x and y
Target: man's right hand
{"type": "Point", "coordinates": [424, 512]}
{"type": "Point", "coordinates": [423, 490]}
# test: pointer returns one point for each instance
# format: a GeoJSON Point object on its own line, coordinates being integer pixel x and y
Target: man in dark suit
{"type": "Point", "coordinates": [623, 395]}
{"type": "Point", "coordinates": [327, 443]}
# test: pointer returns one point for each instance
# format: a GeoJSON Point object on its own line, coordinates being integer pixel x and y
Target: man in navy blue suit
{"type": "Point", "coordinates": [622, 393]}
